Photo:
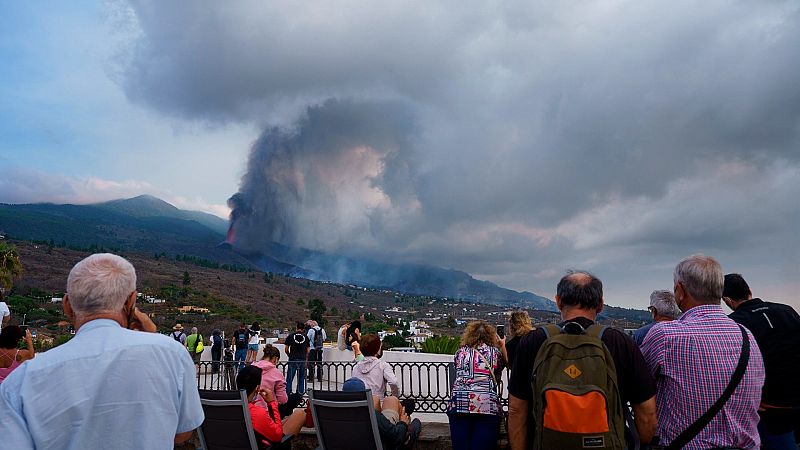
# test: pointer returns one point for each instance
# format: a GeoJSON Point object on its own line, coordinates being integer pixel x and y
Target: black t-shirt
{"type": "Point", "coordinates": [297, 343]}
{"type": "Point", "coordinates": [776, 328]}
{"type": "Point", "coordinates": [511, 349]}
{"type": "Point", "coordinates": [636, 385]}
{"type": "Point", "coordinates": [239, 341]}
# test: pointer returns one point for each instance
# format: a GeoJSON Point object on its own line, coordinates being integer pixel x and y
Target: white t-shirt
{"type": "Point", "coordinates": [4, 312]}
{"type": "Point", "coordinates": [254, 336]}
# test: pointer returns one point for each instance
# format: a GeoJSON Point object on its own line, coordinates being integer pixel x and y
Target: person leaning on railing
{"type": "Point", "coordinates": [10, 354]}
{"type": "Point", "coordinates": [272, 379]}
{"type": "Point", "coordinates": [375, 374]}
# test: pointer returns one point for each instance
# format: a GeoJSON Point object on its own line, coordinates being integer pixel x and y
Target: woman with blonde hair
{"type": "Point", "coordinates": [519, 324]}
{"type": "Point", "coordinates": [474, 410]}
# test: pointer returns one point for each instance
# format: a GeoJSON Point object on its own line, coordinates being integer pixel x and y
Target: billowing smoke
{"type": "Point", "coordinates": [329, 182]}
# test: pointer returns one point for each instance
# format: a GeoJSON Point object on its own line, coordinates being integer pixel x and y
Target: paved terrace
{"type": "Point", "coordinates": [425, 377]}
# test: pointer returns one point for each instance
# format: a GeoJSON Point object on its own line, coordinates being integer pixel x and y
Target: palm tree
{"type": "Point", "coordinates": [10, 265]}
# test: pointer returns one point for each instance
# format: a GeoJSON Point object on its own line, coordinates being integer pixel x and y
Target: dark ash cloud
{"type": "Point", "coordinates": [510, 140]}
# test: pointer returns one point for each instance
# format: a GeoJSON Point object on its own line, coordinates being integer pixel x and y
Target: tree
{"type": "Point", "coordinates": [22, 305]}
{"type": "Point", "coordinates": [451, 322]}
{"type": "Point", "coordinates": [394, 340]}
{"type": "Point", "coordinates": [10, 265]}
{"type": "Point", "coordinates": [318, 308]}
{"type": "Point", "coordinates": [187, 280]}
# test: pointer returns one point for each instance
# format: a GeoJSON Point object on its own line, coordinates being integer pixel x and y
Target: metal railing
{"type": "Point", "coordinates": [428, 383]}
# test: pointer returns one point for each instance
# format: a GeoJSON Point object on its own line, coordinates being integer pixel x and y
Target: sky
{"type": "Point", "coordinates": [512, 140]}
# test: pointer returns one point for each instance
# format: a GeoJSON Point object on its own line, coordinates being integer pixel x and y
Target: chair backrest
{"type": "Point", "coordinates": [227, 424]}
{"type": "Point", "coordinates": [345, 420]}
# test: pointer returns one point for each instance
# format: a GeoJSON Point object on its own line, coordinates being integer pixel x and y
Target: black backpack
{"type": "Point", "coordinates": [177, 337]}
{"type": "Point", "coordinates": [241, 337]}
{"type": "Point", "coordinates": [317, 338]}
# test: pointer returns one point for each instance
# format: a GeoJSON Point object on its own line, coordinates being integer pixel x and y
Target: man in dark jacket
{"type": "Point", "coordinates": [216, 350]}
{"type": "Point", "coordinates": [776, 328]}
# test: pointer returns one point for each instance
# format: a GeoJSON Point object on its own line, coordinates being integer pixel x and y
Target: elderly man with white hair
{"type": "Point", "coordinates": [708, 368]}
{"type": "Point", "coordinates": [663, 308]}
{"type": "Point", "coordinates": [116, 384]}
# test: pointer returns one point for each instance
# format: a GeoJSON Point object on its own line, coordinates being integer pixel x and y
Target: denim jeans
{"type": "Point", "coordinates": [474, 431]}
{"type": "Point", "coordinates": [314, 362]}
{"type": "Point", "coordinates": [241, 354]}
{"type": "Point", "coordinates": [296, 368]}
{"type": "Point", "coordinates": [216, 356]}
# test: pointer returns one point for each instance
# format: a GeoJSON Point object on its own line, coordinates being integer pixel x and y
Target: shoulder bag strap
{"type": "Point", "coordinates": [491, 369]}
{"type": "Point", "coordinates": [694, 429]}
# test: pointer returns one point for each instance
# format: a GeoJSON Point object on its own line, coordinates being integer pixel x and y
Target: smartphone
{"type": "Point", "coordinates": [501, 331]}
{"type": "Point", "coordinates": [24, 328]}
{"type": "Point", "coordinates": [131, 316]}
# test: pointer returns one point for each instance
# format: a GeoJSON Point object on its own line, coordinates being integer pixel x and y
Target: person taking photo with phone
{"type": "Point", "coordinates": [11, 356]}
{"type": "Point", "coordinates": [103, 389]}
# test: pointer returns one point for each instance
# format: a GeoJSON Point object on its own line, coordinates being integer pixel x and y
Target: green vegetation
{"type": "Point", "coordinates": [443, 345]}
{"type": "Point", "coordinates": [35, 309]}
{"type": "Point", "coordinates": [394, 340]}
{"type": "Point", "coordinates": [10, 265]}
{"type": "Point", "coordinates": [207, 263]}
{"type": "Point", "coordinates": [318, 308]}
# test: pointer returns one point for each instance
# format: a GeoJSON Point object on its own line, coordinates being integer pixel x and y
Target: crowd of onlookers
{"type": "Point", "coordinates": [695, 378]}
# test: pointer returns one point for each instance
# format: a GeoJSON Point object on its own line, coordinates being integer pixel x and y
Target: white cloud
{"type": "Point", "coordinates": [22, 185]}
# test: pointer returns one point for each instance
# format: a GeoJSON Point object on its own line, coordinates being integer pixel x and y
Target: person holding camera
{"type": "Point", "coordinates": [10, 354]}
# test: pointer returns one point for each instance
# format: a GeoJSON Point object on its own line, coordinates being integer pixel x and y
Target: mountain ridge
{"type": "Point", "coordinates": [149, 224]}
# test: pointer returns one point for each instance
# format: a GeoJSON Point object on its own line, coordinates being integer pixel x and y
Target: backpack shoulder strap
{"type": "Point", "coordinates": [596, 330]}
{"type": "Point", "coordinates": [551, 330]}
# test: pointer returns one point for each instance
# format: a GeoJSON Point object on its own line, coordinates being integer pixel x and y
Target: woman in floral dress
{"type": "Point", "coordinates": [474, 410]}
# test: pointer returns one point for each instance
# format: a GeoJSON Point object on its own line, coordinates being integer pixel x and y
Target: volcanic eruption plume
{"type": "Point", "coordinates": [334, 180]}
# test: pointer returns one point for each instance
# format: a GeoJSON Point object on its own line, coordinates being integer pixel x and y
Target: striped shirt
{"type": "Point", "coordinates": [693, 359]}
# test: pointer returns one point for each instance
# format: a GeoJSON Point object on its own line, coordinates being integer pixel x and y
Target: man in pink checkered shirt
{"type": "Point", "coordinates": [693, 359]}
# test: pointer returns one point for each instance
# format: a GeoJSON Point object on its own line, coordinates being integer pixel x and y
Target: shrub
{"type": "Point", "coordinates": [443, 345]}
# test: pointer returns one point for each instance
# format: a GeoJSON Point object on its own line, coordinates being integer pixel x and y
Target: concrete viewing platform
{"type": "Point", "coordinates": [425, 377]}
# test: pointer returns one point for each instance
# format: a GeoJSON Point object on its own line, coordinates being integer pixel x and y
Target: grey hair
{"type": "Point", "coordinates": [702, 278]}
{"type": "Point", "coordinates": [194, 330]}
{"type": "Point", "coordinates": [664, 304]}
{"type": "Point", "coordinates": [100, 283]}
